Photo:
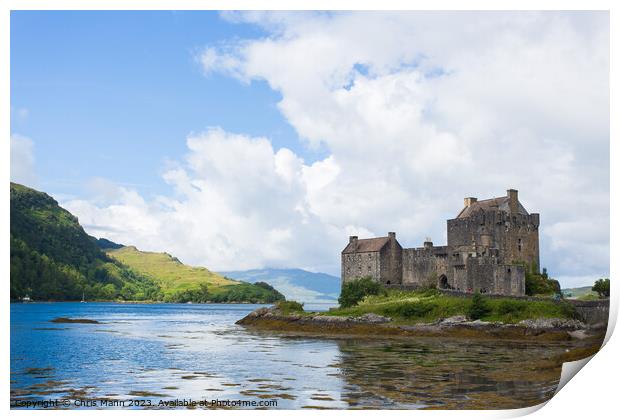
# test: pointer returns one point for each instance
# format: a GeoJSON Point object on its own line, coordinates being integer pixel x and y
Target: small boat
{"type": "Point", "coordinates": [82, 301]}
{"type": "Point", "coordinates": [26, 299]}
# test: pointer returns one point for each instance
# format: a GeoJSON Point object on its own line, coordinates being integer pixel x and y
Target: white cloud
{"type": "Point", "coordinates": [239, 204]}
{"type": "Point", "coordinates": [22, 160]}
{"type": "Point", "coordinates": [416, 110]}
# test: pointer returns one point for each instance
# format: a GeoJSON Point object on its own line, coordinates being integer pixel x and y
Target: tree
{"type": "Point", "coordinates": [601, 286]}
{"type": "Point", "coordinates": [354, 291]}
{"type": "Point", "coordinates": [540, 283]}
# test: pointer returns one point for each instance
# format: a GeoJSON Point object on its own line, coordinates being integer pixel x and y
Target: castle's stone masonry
{"type": "Point", "coordinates": [489, 244]}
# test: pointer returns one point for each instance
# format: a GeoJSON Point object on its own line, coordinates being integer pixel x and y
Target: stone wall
{"type": "Point", "coordinates": [488, 275]}
{"type": "Point", "coordinates": [391, 262]}
{"type": "Point", "coordinates": [424, 265]}
{"type": "Point", "coordinates": [592, 312]}
{"type": "Point", "coordinates": [360, 265]}
{"type": "Point", "coordinates": [514, 235]}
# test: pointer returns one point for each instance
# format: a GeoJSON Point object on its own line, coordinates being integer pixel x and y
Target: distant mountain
{"type": "Point", "coordinates": [294, 283]}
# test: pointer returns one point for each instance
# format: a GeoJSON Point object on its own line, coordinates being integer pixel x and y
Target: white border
{"type": "Point", "coordinates": [590, 395]}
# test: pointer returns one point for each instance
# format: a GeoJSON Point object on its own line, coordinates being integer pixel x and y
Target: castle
{"type": "Point", "coordinates": [489, 244]}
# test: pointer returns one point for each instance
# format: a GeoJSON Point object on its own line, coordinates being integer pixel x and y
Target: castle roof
{"type": "Point", "coordinates": [491, 204]}
{"type": "Point", "coordinates": [366, 245]}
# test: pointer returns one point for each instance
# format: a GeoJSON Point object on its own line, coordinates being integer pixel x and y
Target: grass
{"type": "Point", "coordinates": [168, 272]}
{"type": "Point", "coordinates": [416, 307]}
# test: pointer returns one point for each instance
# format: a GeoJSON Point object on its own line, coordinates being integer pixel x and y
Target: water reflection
{"type": "Point", "coordinates": [447, 374]}
{"type": "Point", "coordinates": [196, 351]}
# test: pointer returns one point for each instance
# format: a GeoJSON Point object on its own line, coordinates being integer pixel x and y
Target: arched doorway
{"type": "Point", "coordinates": [443, 282]}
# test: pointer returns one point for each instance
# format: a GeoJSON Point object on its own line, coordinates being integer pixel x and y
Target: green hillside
{"type": "Point", "coordinates": [169, 272]}
{"type": "Point", "coordinates": [180, 282]}
{"type": "Point", "coordinates": [52, 258]}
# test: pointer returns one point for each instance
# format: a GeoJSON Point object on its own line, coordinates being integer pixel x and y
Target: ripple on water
{"type": "Point", "coordinates": [159, 350]}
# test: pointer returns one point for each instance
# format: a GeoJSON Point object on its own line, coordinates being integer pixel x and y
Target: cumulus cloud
{"type": "Point", "coordinates": [238, 204]}
{"type": "Point", "coordinates": [22, 160]}
{"type": "Point", "coordinates": [416, 110]}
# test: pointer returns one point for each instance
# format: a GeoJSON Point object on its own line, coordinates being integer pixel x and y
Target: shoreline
{"type": "Point", "coordinates": [372, 325]}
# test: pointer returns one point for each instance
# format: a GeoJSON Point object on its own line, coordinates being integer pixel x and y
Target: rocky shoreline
{"type": "Point", "coordinates": [370, 324]}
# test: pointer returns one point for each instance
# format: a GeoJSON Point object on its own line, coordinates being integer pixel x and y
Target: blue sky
{"type": "Point", "coordinates": [264, 139]}
{"type": "Point", "coordinates": [114, 94]}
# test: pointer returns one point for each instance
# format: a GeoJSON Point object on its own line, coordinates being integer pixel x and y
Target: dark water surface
{"type": "Point", "coordinates": [176, 351]}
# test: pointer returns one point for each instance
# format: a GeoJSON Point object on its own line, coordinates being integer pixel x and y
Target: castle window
{"type": "Point", "coordinates": [519, 245]}
{"type": "Point", "coordinates": [369, 268]}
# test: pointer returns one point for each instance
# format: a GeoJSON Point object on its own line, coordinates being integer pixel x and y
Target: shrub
{"type": "Point", "coordinates": [354, 291]}
{"type": "Point", "coordinates": [288, 306]}
{"type": "Point", "coordinates": [539, 283]}
{"type": "Point", "coordinates": [478, 308]}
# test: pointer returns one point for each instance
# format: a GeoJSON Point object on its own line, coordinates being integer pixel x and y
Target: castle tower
{"type": "Point", "coordinates": [498, 225]}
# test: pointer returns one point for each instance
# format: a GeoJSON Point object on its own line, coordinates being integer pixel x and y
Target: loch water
{"type": "Point", "coordinates": [169, 353]}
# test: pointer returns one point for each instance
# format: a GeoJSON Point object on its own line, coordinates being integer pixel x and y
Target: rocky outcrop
{"type": "Point", "coordinates": [62, 320]}
{"type": "Point", "coordinates": [274, 314]}
{"type": "Point", "coordinates": [372, 324]}
{"type": "Point", "coordinates": [550, 323]}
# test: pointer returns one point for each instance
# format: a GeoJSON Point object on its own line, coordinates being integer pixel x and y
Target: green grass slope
{"type": "Point", "coordinates": [182, 283]}
{"type": "Point", "coordinates": [425, 306]}
{"type": "Point", "coordinates": [170, 273]}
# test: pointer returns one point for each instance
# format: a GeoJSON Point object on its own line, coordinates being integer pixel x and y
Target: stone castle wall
{"type": "Point", "coordinates": [514, 235]}
{"type": "Point", "coordinates": [488, 275]}
{"type": "Point", "coordinates": [391, 268]}
{"type": "Point", "coordinates": [360, 265]}
{"type": "Point", "coordinates": [425, 267]}
{"type": "Point", "coordinates": [422, 266]}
